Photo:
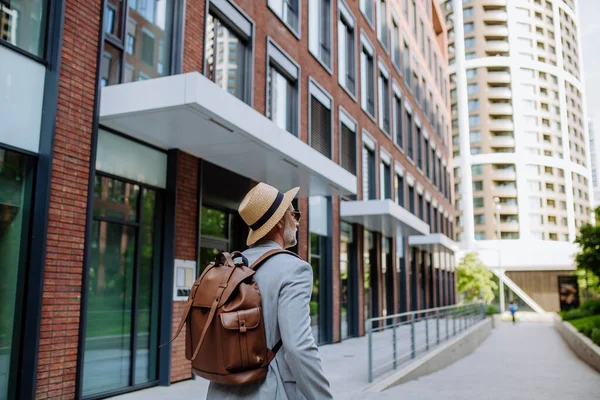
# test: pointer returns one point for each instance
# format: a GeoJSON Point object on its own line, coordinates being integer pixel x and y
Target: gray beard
{"type": "Point", "coordinates": [289, 237]}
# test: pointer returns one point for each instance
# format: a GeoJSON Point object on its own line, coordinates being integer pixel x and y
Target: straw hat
{"type": "Point", "coordinates": [262, 208]}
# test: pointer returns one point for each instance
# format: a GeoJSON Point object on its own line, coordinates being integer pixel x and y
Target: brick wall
{"type": "Point", "coordinates": [186, 231]}
{"type": "Point", "coordinates": [61, 295]}
{"type": "Point", "coordinates": [194, 36]}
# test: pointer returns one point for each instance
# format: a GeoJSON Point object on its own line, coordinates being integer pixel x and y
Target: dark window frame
{"type": "Point", "coordinates": [286, 66]}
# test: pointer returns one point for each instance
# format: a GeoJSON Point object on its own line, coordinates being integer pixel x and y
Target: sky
{"type": "Point", "coordinates": [589, 22]}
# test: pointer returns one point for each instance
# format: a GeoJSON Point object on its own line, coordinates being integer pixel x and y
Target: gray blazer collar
{"type": "Point", "coordinates": [267, 244]}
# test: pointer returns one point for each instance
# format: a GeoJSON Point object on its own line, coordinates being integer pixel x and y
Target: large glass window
{"type": "Point", "coordinates": [398, 120]}
{"type": "Point", "coordinates": [228, 58]}
{"type": "Point", "coordinates": [367, 82]}
{"type": "Point", "coordinates": [409, 136]}
{"type": "Point", "coordinates": [387, 278]}
{"type": "Point", "coordinates": [282, 90]}
{"type": "Point", "coordinates": [384, 101]}
{"type": "Point", "coordinates": [369, 174]}
{"type": "Point", "coordinates": [346, 49]}
{"type": "Point", "coordinates": [23, 25]}
{"type": "Point", "coordinates": [396, 43]}
{"type": "Point", "coordinates": [319, 218]}
{"type": "Point", "coordinates": [123, 289]}
{"type": "Point", "coordinates": [143, 48]}
{"type": "Point", "coordinates": [385, 181]}
{"type": "Point", "coordinates": [319, 30]}
{"type": "Point", "coordinates": [368, 9]}
{"type": "Point", "coordinates": [16, 184]}
{"type": "Point", "coordinates": [288, 11]}
{"type": "Point", "coordinates": [348, 279]}
{"type": "Point", "coordinates": [382, 26]}
{"type": "Point", "coordinates": [370, 286]}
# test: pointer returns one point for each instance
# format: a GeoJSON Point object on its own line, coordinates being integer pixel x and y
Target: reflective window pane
{"type": "Point", "coordinates": [107, 358]}
{"type": "Point", "coordinates": [23, 24]}
{"type": "Point", "coordinates": [148, 306]}
{"type": "Point", "coordinates": [112, 18]}
{"type": "Point", "coordinates": [148, 37]}
{"type": "Point", "coordinates": [215, 223]}
{"type": "Point", "coordinates": [115, 199]}
{"type": "Point", "coordinates": [315, 262]}
{"type": "Point", "coordinates": [16, 180]}
{"type": "Point", "coordinates": [110, 68]}
{"type": "Point", "coordinates": [281, 98]}
{"type": "Point", "coordinates": [225, 57]}
{"type": "Point", "coordinates": [287, 10]}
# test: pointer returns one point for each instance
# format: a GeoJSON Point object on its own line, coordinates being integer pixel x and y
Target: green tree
{"type": "Point", "coordinates": [474, 278]}
{"type": "Point", "coordinates": [588, 258]}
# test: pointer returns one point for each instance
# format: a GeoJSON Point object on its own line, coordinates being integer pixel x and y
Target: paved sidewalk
{"type": "Point", "coordinates": [345, 363]}
{"type": "Point", "coordinates": [523, 361]}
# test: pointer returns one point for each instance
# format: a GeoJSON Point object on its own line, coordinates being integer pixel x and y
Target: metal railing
{"type": "Point", "coordinates": [396, 339]}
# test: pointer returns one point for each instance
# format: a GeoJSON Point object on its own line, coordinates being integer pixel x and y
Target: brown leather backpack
{"type": "Point", "coordinates": [225, 334]}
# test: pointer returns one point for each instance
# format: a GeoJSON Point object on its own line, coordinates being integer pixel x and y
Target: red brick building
{"type": "Point", "coordinates": [131, 130]}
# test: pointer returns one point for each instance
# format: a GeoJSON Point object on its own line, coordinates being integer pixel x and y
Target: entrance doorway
{"type": "Point", "coordinates": [122, 313]}
{"type": "Point", "coordinates": [16, 192]}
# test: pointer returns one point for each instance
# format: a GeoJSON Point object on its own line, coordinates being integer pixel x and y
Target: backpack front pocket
{"type": "Point", "coordinates": [243, 340]}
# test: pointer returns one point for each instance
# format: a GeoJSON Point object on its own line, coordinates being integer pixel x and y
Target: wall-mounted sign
{"type": "Point", "coordinates": [568, 290]}
{"type": "Point", "coordinates": [185, 275]}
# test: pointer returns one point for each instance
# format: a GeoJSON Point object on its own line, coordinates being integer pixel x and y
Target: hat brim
{"type": "Point", "coordinates": [255, 236]}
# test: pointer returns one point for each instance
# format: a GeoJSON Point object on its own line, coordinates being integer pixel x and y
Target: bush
{"type": "Point", "coordinates": [595, 336]}
{"type": "Point", "coordinates": [587, 309]}
{"type": "Point", "coordinates": [591, 306]}
{"type": "Point", "coordinates": [492, 309]}
{"type": "Point", "coordinates": [573, 314]}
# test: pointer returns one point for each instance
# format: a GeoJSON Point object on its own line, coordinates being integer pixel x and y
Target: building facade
{"type": "Point", "coordinates": [594, 160]}
{"type": "Point", "coordinates": [520, 144]}
{"type": "Point", "coordinates": [131, 130]}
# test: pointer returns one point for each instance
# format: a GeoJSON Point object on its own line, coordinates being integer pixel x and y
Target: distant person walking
{"type": "Point", "coordinates": [513, 310]}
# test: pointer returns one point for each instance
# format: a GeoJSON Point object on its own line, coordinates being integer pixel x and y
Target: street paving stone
{"type": "Point", "coordinates": [528, 361]}
{"type": "Point", "coordinates": [522, 361]}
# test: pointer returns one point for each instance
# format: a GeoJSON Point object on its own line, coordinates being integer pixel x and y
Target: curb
{"type": "Point", "coordinates": [581, 345]}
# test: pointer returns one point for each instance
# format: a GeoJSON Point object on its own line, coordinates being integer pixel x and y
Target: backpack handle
{"type": "Point", "coordinates": [237, 254]}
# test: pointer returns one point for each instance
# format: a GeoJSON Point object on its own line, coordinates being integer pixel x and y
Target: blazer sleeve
{"type": "Point", "coordinates": [300, 351]}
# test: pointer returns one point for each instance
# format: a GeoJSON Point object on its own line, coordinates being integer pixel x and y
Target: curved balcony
{"type": "Point", "coordinates": [498, 46]}
{"type": "Point", "coordinates": [495, 16]}
{"type": "Point", "coordinates": [495, 31]}
{"type": "Point", "coordinates": [499, 76]}
{"type": "Point", "coordinates": [499, 93]}
{"type": "Point", "coordinates": [501, 125]}
{"type": "Point", "coordinates": [497, 3]}
{"type": "Point", "coordinates": [500, 109]}
{"type": "Point", "coordinates": [502, 141]}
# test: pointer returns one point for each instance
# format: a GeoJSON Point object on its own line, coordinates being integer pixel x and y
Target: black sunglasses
{"type": "Point", "coordinates": [297, 215]}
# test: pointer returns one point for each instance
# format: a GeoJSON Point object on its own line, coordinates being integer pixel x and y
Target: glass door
{"type": "Point", "coordinates": [348, 279]}
{"type": "Point", "coordinates": [122, 313]}
{"type": "Point", "coordinates": [16, 183]}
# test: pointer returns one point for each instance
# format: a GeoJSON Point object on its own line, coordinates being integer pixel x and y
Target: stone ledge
{"type": "Point", "coordinates": [581, 345]}
{"type": "Point", "coordinates": [441, 357]}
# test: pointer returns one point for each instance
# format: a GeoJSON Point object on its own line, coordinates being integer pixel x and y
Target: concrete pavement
{"type": "Point", "coordinates": [523, 361]}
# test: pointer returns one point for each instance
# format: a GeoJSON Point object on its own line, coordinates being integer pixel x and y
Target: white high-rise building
{"type": "Point", "coordinates": [520, 141]}
{"type": "Point", "coordinates": [595, 159]}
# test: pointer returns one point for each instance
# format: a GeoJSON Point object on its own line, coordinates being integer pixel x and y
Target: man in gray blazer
{"type": "Point", "coordinates": [285, 283]}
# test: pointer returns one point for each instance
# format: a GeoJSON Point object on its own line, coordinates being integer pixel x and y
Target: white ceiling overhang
{"type": "Point", "coordinates": [191, 113]}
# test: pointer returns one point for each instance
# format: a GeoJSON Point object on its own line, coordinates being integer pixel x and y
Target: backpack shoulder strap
{"type": "Point", "coordinates": [256, 264]}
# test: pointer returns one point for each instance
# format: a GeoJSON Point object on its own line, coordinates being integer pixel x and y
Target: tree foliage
{"type": "Point", "coordinates": [588, 258]}
{"type": "Point", "coordinates": [474, 278]}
